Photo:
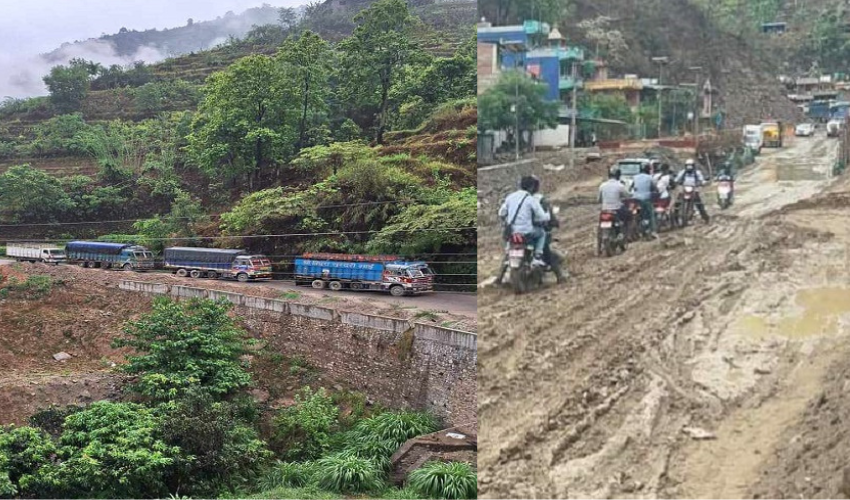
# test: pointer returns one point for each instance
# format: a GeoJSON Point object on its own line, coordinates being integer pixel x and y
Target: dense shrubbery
{"type": "Point", "coordinates": [185, 348]}
{"type": "Point", "coordinates": [187, 439]}
{"type": "Point", "coordinates": [445, 480]}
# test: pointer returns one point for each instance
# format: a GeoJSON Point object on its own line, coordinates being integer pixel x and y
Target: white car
{"type": "Point", "coordinates": [805, 130]}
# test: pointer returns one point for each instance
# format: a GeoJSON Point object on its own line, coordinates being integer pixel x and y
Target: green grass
{"type": "Point", "coordinates": [308, 493]}
{"type": "Point", "coordinates": [429, 315]}
{"type": "Point", "coordinates": [291, 295]}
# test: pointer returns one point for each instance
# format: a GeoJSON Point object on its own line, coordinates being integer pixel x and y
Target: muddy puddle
{"type": "Point", "coordinates": [821, 313]}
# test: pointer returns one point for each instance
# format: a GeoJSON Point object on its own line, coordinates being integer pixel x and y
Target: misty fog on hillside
{"type": "Point", "coordinates": [39, 34]}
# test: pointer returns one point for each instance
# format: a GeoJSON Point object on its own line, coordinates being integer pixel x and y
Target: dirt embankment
{"type": "Point", "coordinates": [80, 314]}
{"type": "Point", "coordinates": [110, 279]}
{"type": "Point", "coordinates": [683, 368]}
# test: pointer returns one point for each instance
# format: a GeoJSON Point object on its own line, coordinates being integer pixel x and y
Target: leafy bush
{"type": "Point", "coordinates": [395, 427]}
{"type": "Point", "coordinates": [34, 287]}
{"type": "Point", "coordinates": [52, 419]}
{"type": "Point", "coordinates": [453, 480]}
{"type": "Point", "coordinates": [110, 450]}
{"type": "Point", "coordinates": [182, 346]}
{"type": "Point", "coordinates": [226, 452]}
{"type": "Point", "coordinates": [348, 473]}
{"type": "Point", "coordinates": [303, 431]}
{"type": "Point", "coordinates": [23, 451]}
{"type": "Point", "coordinates": [31, 195]}
{"type": "Point", "coordinates": [288, 475]}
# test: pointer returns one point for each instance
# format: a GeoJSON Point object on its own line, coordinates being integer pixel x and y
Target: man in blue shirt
{"type": "Point", "coordinates": [644, 186]}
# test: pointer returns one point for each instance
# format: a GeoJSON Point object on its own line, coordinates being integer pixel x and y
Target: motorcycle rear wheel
{"type": "Point", "coordinates": [518, 281]}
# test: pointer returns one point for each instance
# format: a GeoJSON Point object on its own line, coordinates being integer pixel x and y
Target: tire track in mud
{"type": "Point", "coordinates": [584, 389]}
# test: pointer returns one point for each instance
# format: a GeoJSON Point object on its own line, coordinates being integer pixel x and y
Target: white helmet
{"type": "Point", "coordinates": [690, 164]}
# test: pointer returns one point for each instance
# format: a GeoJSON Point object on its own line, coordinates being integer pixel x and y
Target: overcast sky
{"type": "Point", "coordinates": [31, 27]}
{"type": "Point", "coordinates": [36, 26]}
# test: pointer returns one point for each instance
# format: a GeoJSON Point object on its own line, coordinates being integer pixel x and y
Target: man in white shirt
{"type": "Point", "coordinates": [521, 210]}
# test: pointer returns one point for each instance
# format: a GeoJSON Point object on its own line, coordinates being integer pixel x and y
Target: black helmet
{"type": "Point", "coordinates": [536, 184]}
{"type": "Point", "coordinates": [527, 183]}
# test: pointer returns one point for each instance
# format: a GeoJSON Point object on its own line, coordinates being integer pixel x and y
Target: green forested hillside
{"type": "Point", "coordinates": [364, 143]}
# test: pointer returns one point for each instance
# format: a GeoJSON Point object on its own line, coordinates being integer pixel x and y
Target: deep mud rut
{"type": "Point", "coordinates": [600, 388]}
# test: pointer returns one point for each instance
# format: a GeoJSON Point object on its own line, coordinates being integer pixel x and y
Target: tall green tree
{"type": "Point", "coordinates": [245, 120]}
{"type": "Point", "coordinates": [516, 103]}
{"type": "Point", "coordinates": [308, 61]}
{"type": "Point", "coordinates": [375, 54]}
{"type": "Point", "coordinates": [30, 195]}
{"type": "Point", "coordinates": [185, 347]}
{"type": "Point", "coordinates": [69, 85]}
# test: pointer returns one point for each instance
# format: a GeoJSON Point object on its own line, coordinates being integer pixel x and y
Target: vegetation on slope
{"type": "Point", "coordinates": [197, 434]}
{"type": "Point", "coordinates": [258, 148]}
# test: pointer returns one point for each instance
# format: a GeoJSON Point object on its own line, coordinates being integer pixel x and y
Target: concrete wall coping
{"type": "Point", "coordinates": [455, 337]}
{"type": "Point", "coordinates": [508, 165]}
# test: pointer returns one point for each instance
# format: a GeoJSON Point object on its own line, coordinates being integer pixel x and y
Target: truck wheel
{"type": "Point", "coordinates": [182, 273]}
{"type": "Point", "coordinates": [335, 286]}
{"type": "Point", "coordinates": [318, 284]}
{"type": "Point", "coordinates": [195, 273]}
{"type": "Point", "coordinates": [212, 275]}
{"type": "Point", "coordinates": [242, 277]}
{"type": "Point", "coordinates": [397, 291]}
{"type": "Point", "coordinates": [356, 286]}
{"type": "Point", "coordinates": [127, 267]}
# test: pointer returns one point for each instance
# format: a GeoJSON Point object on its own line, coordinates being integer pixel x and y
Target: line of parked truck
{"type": "Point", "coordinates": [334, 271]}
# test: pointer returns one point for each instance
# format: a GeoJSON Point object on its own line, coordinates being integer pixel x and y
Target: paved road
{"type": "Point", "coordinates": [465, 304]}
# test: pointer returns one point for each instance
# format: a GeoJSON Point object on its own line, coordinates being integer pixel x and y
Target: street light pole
{"type": "Point", "coordinates": [661, 62]}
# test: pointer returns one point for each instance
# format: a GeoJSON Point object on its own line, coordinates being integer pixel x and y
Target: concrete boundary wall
{"type": "Point", "coordinates": [401, 362]}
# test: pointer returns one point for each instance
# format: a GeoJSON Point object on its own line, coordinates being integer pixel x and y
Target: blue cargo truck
{"type": "Point", "coordinates": [217, 263]}
{"type": "Point", "coordinates": [362, 272]}
{"type": "Point", "coordinates": [109, 255]}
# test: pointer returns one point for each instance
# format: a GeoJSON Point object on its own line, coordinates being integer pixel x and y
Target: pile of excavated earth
{"type": "Point", "coordinates": [708, 364]}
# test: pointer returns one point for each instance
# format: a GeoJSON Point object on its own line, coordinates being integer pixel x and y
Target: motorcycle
{"type": "Point", "coordinates": [663, 214]}
{"type": "Point", "coordinates": [609, 236]}
{"type": "Point", "coordinates": [687, 198]}
{"type": "Point", "coordinates": [634, 227]}
{"type": "Point", "coordinates": [524, 276]}
{"type": "Point", "coordinates": [724, 194]}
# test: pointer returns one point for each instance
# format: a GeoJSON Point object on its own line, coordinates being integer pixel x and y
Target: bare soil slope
{"type": "Point", "coordinates": [749, 91]}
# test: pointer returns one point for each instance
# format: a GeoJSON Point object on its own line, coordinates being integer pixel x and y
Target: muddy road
{"type": "Point", "coordinates": [692, 366]}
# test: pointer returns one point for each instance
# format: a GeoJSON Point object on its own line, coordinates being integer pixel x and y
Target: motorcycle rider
{"type": "Point", "coordinates": [644, 187]}
{"type": "Point", "coordinates": [520, 211]}
{"type": "Point", "coordinates": [612, 193]}
{"type": "Point", "coordinates": [550, 257]}
{"type": "Point", "coordinates": [725, 174]}
{"type": "Point", "coordinates": [691, 176]}
{"type": "Point", "coordinates": [663, 181]}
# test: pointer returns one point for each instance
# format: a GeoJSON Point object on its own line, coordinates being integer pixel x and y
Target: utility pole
{"type": "Point", "coordinates": [661, 61]}
{"type": "Point", "coordinates": [516, 115]}
{"type": "Point", "coordinates": [574, 106]}
{"type": "Point", "coordinates": [696, 70]}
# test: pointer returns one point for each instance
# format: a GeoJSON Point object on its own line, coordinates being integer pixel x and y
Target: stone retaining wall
{"type": "Point", "coordinates": [397, 362]}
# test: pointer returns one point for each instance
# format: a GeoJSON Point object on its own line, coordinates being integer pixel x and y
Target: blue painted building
{"type": "Point", "coordinates": [538, 49]}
